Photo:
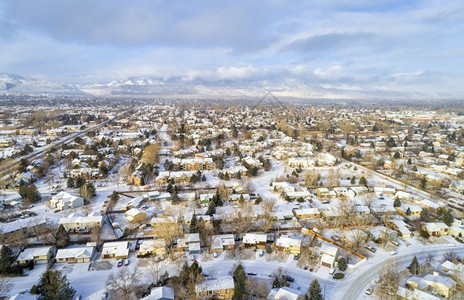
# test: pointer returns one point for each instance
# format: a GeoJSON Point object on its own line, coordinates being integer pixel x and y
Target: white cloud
{"type": "Point", "coordinates": [331, 73]}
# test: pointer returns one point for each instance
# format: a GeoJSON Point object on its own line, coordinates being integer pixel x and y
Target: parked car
{"type": "Point", "coordinates": [451, 245]}
{"type": "Point", "coordinates": [369, 291]}
{"type": "Point", "coordinates": [377, 280]}
{"type": "Point", "coordinates": [289, 278]}
{"type": "Point", "coordinates": [331, 271]}
{"type": "Point", "coordinates": [126, 263]}
{"type": "Point", "coordinates": [120, 263]}
{"type": "Point", "coordinates": [296, 257]}
{"type": "Point", "coordinates": [394, 253]}
{"type": "Point", "coordinates": [251, 274]}
{"type": "Point", "coordinates": [395, 243]}
{"type": "Point", "coordinates": [370, 248]}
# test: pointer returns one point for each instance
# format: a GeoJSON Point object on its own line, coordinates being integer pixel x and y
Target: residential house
{"type": "Point", "coordinates": [305, 195]}
{"type": "Point", "coordinates": [220, 288]}
{"type": "Point", "coordinates": [64, 200]}
{"type": "Point", "coordinates": [75, 255]}
{"type": "Point", "coordinates": [436, 228]}
{"type": "Point", "coordinates": [254, 240]}
{"type": "Point", "coordinates": [27, 226]}
{"type": "Point", "coordinates": [117, 250]}
{"type": "Point", "coordinates": [155, 246]}
{"type": "Point", "coordinates": [409, 210]}
{"type": "Point", "coordinates": [190, 243]}
{"type": "Point", "coordinates": [329, 255]}
{"type": "Point", "coordinates": [222, 242]}
{"type": "Point", "coordinates": [39, 255]}
{"type": "Point", "coordinates": [160, 293]}
{"type": "Point", "coordinates": [289, 244]}
{"type": "Point", "coordinates": [285, 293]}
{"type": "Point", "coordinates": [134, 215]}
{"type": "Point", "coordinates": [456, 231]}
{"type": "Point", "coordinates": [401, 227]}
{"type": "Point", "coordinates": [325, 193]}
{"type": "Point", "coordinates": [306, 213]}
{"type": "Point", "coordinates": [443, 285]}
{"type": "Point", "coordinates": [78, 223]}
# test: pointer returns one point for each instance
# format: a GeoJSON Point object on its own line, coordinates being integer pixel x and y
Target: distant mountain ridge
{"type": "Point", "coordinates": [13, 84]}
{"type": "Point", "coordinates": [17, 84]}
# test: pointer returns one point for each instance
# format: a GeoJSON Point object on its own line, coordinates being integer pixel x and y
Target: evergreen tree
{"type": "Point", "coordinates": [30, 193]}
{"type": "Point", "coordinates": [363, 181]}
{"type": "Point", "coordinates": [240, 279]}
{"type": "Point", "coordinates": [193, 224]}
{"type": "Point", "coordinates": [79, 181]}
{"type": "Point", "coordinates": [397, 155]}
{"type": "Point", "coordinates": [408, 211]}
{"type": "Point", "coordinates": [267, 165]}
{"type": "Point", "coordinates": [62, 238]}
{"type": "Point", "coordinates": [409, 161]}
{"type": "Point", "coordinates": [70, 183]}
{"type": "Point", "coordinates": [169, 188]}
{"type": "Point", "coordinates": [315, 291]}
{"type": "Point", "coordinates": [276, 283]}
{"type": "Point", "coordinates": [6, 259]}
{"type": "Point", "coordinates": [423, 183]}
{"type": "Point", "coordinates": [53, 285]}
{"type": "Point", "coordinates": [414, 266]}
{"type": "Point", "coordinates": [353, 180]}
{"type": "Point", "coordinates": [397, 202]}
{"type": "Point", "coordinates": [342, 265]}
{"type": "Point", "coordinates": [23, 163]}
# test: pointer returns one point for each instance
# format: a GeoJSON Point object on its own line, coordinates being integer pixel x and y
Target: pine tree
{"type": "Point", "coordinates": [6, 259]}
{"type": "Point", "coordinates": [342, 265]}
{"type": "Point", "coordinates": [70, 183]}
{"type": "Point", "coordinates": [397, 202]}
{"type": "Point", "coordinates": [79, 182]}
{"type": "Point", "coordinates": [423, 183]}
{"type": "Point", "coordinates": [62, 237]}
{"type": "Point", "coordinates": [414, 266]}
{"type": "Point", "coordinates": [363, 181]}
{"type": "Point", "coordinates": [315, 291]}
{"type": "Point", "coordinates": [53, 285]}
{"type": "Point", "coordinates": [353, 180]}
{"type": "Point", "coordinates": [193, 224]}
{"type": "Point", "coordinates": [240, 279]}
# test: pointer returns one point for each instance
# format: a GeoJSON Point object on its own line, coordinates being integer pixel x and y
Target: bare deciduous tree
{"type": "Point", "coordinates": [390, 278]}
{"type": "Point", "coordinates": [123, 283]}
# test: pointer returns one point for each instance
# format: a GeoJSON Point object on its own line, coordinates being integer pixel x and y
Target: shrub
{"type": "Point", "coordinates": [338, 276]}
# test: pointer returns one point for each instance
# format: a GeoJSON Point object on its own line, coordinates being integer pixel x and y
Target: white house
{"type": "Point", "coordinates": [75, 255]}
{"type": "Point", "coordinates": [64, 200]}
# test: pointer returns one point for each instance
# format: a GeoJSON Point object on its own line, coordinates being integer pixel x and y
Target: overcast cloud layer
{"type": "Point", "coordinates": [375, 46]}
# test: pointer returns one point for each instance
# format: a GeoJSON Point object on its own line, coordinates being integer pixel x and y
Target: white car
{"type": "Point", "coordinates": [394, 253]}
{"type": "Point", "coordinates": [331, 271]}
{"type": "Point", "coordinates": [451, 245]}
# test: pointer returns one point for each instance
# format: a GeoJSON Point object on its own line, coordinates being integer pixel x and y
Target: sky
{"type": "Point", "coordinates": [379, 46]}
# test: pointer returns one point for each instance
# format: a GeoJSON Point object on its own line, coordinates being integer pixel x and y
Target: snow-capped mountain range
{"type": "Point", "coordinates": [12, 84]}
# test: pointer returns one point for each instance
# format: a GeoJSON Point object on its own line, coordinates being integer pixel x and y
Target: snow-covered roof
{"type": "Point", "coordinates": [74, 252]}
{"type": "Point", "coordinates": [161, 292]}
{"type": "Point", "coordinates": [31, 253]}
{"type": "Point", "coordinates": [221, 283]}
{"type": "Point", "coordinates": [284, 293]}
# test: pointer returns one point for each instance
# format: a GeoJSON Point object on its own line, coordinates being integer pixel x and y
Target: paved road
{"type": "Point", "coordinates": [40, 152]}
{"type": "Point", "coordinates": [362, 278]}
